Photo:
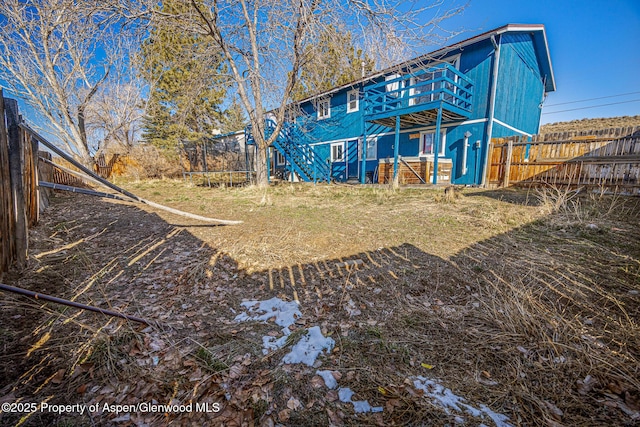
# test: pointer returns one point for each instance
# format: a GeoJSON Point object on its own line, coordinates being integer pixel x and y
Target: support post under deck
{"type": "Point", "coordinates": [436, 145]}
{"type": "Point", "coordinates": [396, 149]}
{"type": "Point", "coordinates": [363, 169]}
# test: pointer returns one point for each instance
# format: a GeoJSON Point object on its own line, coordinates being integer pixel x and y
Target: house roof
{"type": "Point", "coordinates": [539, 39]}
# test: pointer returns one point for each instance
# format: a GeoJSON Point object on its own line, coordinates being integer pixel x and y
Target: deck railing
{"type": "Point", "coordinates": [414, 92]}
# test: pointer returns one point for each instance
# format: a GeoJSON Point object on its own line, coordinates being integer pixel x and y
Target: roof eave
{"type": "Point", "coordinates": [550, 87]}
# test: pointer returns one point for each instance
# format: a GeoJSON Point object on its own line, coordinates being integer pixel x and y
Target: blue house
{"type": "Point", "coordinates": [432, 116]}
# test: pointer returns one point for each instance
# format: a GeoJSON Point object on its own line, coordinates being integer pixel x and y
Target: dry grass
{"type": "Point", "coordinates": [525, 302]}
{"type": "Point", "coordinates": [296, 224]}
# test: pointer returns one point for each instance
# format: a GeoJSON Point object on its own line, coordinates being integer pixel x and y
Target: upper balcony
{"type": "Point", "coordinates": [417, 96]}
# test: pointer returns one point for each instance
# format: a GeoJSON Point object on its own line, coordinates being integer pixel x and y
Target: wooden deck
{"type": "Point", "coordinates": [416, 97]}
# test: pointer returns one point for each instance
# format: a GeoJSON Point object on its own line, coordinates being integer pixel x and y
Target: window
{"type": "Point", "coordinates": [372, 149]}
{"type": "Point", "coordinates": [427, 143]}
{"type": "Point", "coordinates": [280, 160]}
{"type": "Point", "coordinates": [422, 83]}
{"type": "Point", "coordinates": [352, 101]}
{"type": "Point", "coordinates": [337, 152]}
{"type": "Point", "coordinates": [324, 109]}
{"type": "Point", "coordinates": [393, 87]}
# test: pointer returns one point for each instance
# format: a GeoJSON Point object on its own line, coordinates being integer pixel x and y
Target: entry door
{"type": "Point", "coordinates": [352, 159]}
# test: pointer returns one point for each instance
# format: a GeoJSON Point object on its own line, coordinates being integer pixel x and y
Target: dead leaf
{"type": "Point", "coordinates": [58, 377]}
{"type": "Point", "coordinates": [267, 422]}
{"type": "Point", "coordinates": [284, 415]}
{"type": "Point", "coordinates": [335, 419]}
{"type": "Point", "coordinates": [317, 382]}
{"type": "Point", "coordinates": [392, 404]}
{"type": "Point", "coordinates": [293, 404]}
{"type": "Point", "coordinates": [632, 400]}
{"type": "Point", "coordinates": [586, 385]}
{"type": "Point", "coordinates": [554, 410]}
{"type": "Point", "coordinates": [616, 388]}
{"type": "Point", "coordinates": [235, 371]}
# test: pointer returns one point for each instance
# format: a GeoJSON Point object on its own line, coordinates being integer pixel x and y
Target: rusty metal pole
{"type": "Point", "coordinates": [57, 300]}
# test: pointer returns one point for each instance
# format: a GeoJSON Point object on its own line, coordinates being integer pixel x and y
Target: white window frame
{"type": "Point", "coordinates": [355, 92]}
{"type": "Point", "coordinates": [393, 87]}
{"type": "Point", "coordinates": [333, 152]}
{"type": "Point", "coordinates": [280, 159]}
{"type": "Point", "coordinates": [324, 108]}
{"type": "Point", "coordinates": [372, 148]}
{"type": "Point", "coordinates": [441, 147]}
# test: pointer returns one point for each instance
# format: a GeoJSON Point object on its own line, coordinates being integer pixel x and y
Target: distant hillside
{"type": "Point", "coordinates": [591, 124]}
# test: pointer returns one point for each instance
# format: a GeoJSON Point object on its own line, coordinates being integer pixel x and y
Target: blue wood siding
{"type": "Point", "coordinates": [520, 88]}
{"type": "Point", "coordinates": [476, 63]}
{"type": "Point", "coordinates": [340, 125]}
{"type": "Point", "coordinates": [519, 93]}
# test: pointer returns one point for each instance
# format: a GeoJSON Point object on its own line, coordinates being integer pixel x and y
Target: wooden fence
{"type": "Point", "coordinates": [19, 198]}
{"type": "Point", "coordinates": [608, 159]}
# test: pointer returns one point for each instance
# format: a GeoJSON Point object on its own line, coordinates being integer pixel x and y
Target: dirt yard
{"type": "Point", "coordinates": [362, 306]}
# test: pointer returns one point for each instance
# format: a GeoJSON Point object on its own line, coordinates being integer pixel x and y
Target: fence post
{"type": "Point", "coordinates": [507, 165]}
{"type": "Point", "coordinates": [6, 198]}
{"type": "Point", "coordinates": [16, 170]}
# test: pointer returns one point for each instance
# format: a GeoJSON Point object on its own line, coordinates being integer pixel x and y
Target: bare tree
{"type": "Point", "coordinates": [264, 43]}
{"type": "Point", "coordinates": [115, 116]}
{"type": "Point", "coordinates": [57, 56]}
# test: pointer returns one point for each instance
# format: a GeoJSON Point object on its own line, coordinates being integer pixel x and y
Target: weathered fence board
{"type": "Point", "coordinates": [7, 221]}
{"type": "Point", "coordinates": [16, 172]}
{"type": "Point", "coordinates": [608, 159]}
{"type": "Point", "coordinates": [19, 194]}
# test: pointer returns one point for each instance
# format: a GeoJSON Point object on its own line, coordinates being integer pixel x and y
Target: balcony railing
{"type": "Point", "coordinates": [418, 91]}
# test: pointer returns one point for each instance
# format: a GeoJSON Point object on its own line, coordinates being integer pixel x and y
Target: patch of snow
{"type": "Point", "coordinates": [329, 379]}
{"type": "Point", "coordinates": [309, 347]}
{"type": "Point", "coordinates": [285, 313]}
{"type": "Point", "coordinates": [499, 419]}
{"type": "Point", "coordinates": [444, 397]}
{"type": "Point", "coordinates": [271, 343]}
{"type": "Point", "coordinates": [345, 394]}
{"type": "Point", "coordinates": [359, 406]}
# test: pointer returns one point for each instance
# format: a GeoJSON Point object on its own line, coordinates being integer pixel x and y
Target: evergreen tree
{"type": "Point", "coordinates": [186, 76]}
{"type": "Point", "coordinates": [332, 61]}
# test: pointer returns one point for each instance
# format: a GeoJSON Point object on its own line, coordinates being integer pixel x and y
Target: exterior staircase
{"type": "Point", "coordinates": [300, 157]}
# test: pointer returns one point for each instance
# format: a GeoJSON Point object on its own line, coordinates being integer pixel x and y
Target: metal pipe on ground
{"type": "Point", "coordinates": [74, 304]}
{"type": "Point", "coordinates": [79, 190]}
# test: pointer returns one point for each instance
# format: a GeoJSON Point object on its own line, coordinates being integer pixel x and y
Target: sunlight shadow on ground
{"type": "Point", "coordinates": [539, 303]}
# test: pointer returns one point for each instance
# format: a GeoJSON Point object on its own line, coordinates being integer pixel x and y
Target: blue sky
{"type": "Point", "coordinates": [594, 48]}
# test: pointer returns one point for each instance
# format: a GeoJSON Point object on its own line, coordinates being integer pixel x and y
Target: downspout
{"type": "Point", "coordinates": [544, 97]}
{"type": "Point", "coordinates": [492, 106]}
{"type": "Point", "coordinates": [363, 175]}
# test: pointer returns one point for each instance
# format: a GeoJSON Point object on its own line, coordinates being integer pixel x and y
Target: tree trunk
{"type": "Point", "coordinates": [262, 175]}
